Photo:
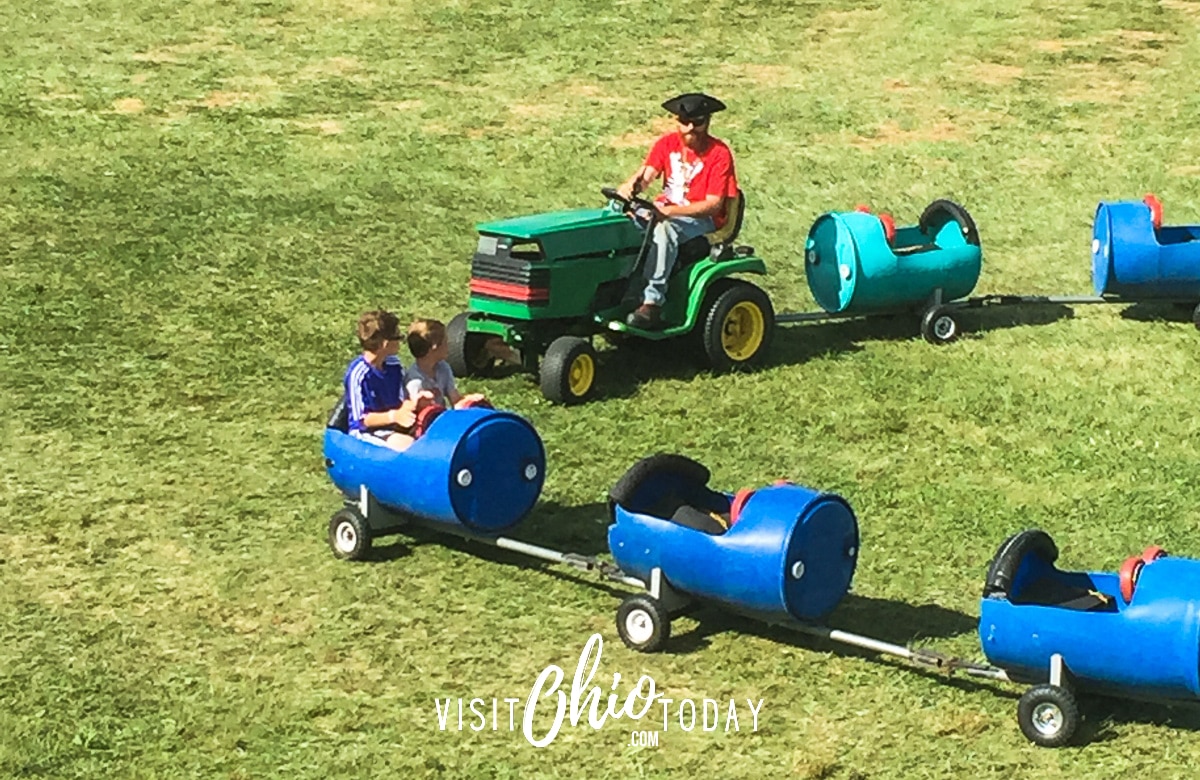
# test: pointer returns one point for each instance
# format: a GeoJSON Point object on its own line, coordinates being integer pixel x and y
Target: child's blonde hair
{"type": "Point", "coordinates": [424, 335]}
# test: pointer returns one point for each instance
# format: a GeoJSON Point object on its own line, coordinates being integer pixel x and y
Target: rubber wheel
{"type": "Point", "coordinates": [568, 371]}
{"type": "Point", "coordinates": [939, 325]}
{"type": "Point", "coordinates": [468, 351]}
{"type": "Point", "coordinates": [1048, 715]}
{"type": "Point", "coordinates": [737, 325]}
{"type": "Point", "coordinates": [349, 535]}
{"type": "Point", "coordinates": [643, 624]}
{"type": "Point", "coordinates": [1196, 316]}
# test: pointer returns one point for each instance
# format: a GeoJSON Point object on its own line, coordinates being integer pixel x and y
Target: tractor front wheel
{"type": "Point", "coordinates": [469, 355]}
{"type": "Point", "coordinates": [737, 324]}
{"type": "Point", "coordinates": [568, 372]}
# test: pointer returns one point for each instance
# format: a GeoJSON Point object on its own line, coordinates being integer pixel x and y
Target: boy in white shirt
{"type": "Point", "coordinates": [430, 372]}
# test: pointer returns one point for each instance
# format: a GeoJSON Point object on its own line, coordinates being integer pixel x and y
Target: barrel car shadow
{"type": "Point", "coordinates": [1101, 713]}
{"type": "Point", "coordinates": [577, 529]}
{"type": "Point", "coordinates": [989, 318]}
{"type": "Point", "coordinates": [1158, 311]}
{"type": "Point", "coordinates": [889, 621]}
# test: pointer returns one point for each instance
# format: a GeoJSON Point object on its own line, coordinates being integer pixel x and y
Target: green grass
{"type": "Point", "coordinates": [198, 198]}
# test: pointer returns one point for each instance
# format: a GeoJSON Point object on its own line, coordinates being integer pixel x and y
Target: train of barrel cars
{"type": "Point", "coordinates": [548, 284]}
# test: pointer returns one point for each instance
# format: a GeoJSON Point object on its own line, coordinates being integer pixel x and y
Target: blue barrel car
{"type": "Point", "coordinates": [780, 553]}
{"type": "Point", "coordinates": [474, 472]}
{"type": "Point", "coordinates": [859, 263]}
{"type": "Point", "coordinates": [1133, 633]}
{"type": "Point", "coordinates": [1135, 257]}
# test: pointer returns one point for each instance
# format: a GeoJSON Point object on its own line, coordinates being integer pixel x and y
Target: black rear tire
{"type": "Point", "coordinates": [468, 351]}
{"type": "Point", "coordinates": [1196, 316]}
{"type": "Point", "coordinates": [568, 371]}
{"type": "Point", "coordinates": [736, 325]}
{"type": "Point", "coordinates": [1048, 715]}
{"type": "Point", "coordinates": [643, 624]}
{"type": "Point", "coordinates": [349, 534]}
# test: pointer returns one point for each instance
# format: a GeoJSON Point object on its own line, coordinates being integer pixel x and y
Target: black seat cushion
{"type": "Point", "coordinates": [691, 251]}
{"type": "Point", "coordinates": [1058, 591]}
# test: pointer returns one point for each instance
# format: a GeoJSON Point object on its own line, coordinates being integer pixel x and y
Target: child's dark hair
{"type": "Point", "coordinates": [376, 327]}
{"type": "Point", "coordinates": [424, 335]}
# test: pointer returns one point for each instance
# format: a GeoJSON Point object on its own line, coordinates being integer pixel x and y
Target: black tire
{"type": "Point", "coordinates": [1048, 715]}
{"type": "Point", "coordinates": [936, 215]}
{"type": "Point", "coordinates": [643, 624]}
{"type": "Point", "coordinates": [568, 371]}
{"type": "Point", "coordinates": [1196, 316]}
{"type": "Point", "coordinates": [939, 325]}
{"type": "Point", "coordinates": [349, 534]}
{"type": "Point", "coordinates": [468, 351]}
{"type": "Point", "coordinates": [736, 326]}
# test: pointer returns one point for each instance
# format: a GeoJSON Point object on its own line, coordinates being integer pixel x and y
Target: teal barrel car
{"type": "Point", "coordinates": [859, 264]}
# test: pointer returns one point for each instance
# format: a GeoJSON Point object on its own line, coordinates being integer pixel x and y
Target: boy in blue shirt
{"type": "Point", "coordinates": [378, 409]}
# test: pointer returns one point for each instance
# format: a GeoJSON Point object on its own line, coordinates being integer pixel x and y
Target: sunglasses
{"type": "Point", "coordinates": [696, 121]}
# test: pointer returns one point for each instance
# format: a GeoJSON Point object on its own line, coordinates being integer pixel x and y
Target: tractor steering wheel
{"type": "Point", "coordinates": [634, 204]}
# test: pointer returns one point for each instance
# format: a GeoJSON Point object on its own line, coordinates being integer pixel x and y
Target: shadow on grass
{"type": "Point", "coordinates": [636, 361]}
{"type": "Point", "coordinates": [894, 622]}
{"type": "Point", "coordinates": [1158, 311]}
{"type": "Point", "coordinates": [1101, 713]}
{"type": "Point", "coordinates": [582, 530]}
{"type": "Point", "coordinates": [888, 621]}
{"type": "Point", "coordinates": [998, 317]}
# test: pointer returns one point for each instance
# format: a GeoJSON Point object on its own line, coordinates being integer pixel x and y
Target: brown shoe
{"type": "Point", "coordinates": [648, 316]}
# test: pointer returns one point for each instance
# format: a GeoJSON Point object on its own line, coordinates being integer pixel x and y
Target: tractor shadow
{"type": "Point", "coordinates": [635, 361]}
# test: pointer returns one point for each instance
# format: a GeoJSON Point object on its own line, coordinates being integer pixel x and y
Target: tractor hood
{"type": "Point", "coordinates": [534, 226]}
{"type": "Point", "coordinates": [569, 234]}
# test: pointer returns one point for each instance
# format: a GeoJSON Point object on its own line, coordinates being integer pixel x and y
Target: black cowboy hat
{"type": "Point", "coordinates": [693, 105]}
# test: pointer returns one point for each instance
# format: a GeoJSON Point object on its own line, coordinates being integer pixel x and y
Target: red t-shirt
{"type": "Point", "coordinates": [690, 176]}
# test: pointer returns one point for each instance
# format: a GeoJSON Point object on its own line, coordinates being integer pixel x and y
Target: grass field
{"type": "Point", "coordinates": [196, 200]}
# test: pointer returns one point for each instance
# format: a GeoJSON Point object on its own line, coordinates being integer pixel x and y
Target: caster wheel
{"type": "Point", "coordinates": [349, 535]}
{"type": "Point", "coordinates": [939, 326]}
{"type": "Point", "coordinates": [1048, 715]}
{"type": "Point", "coordinates": [643, 623]}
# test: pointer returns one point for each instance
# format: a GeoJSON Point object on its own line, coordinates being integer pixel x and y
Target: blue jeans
{"type": "Point", "coordinates": [668, 235]}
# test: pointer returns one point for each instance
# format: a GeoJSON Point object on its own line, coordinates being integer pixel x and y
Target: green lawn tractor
{"type": "Point", "coordinates": [547, 284]}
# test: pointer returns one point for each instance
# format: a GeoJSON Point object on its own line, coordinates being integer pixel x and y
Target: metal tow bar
{"type": "Point", "coordinates": [920, 657]}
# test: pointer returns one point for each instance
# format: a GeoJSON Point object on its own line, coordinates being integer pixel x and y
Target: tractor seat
{"type": "Point", "coordinates": [719, 243]}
